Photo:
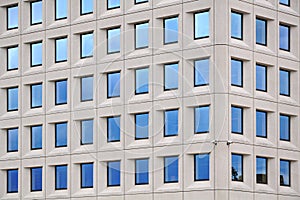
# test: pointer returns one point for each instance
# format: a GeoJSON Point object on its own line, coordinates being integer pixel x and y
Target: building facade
{"type": "Point", "coordinates": [150, 99]}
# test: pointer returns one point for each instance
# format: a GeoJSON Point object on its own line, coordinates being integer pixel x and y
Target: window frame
{"type": "Point", "coordinates": [55, 11]}
{"type": "Point", "coordinates": [112, 8]}
{"type": "Point", "coordinates": [85, 187]}
{"type": "Point", "coordinates": [266, 129]}
{"type": "Point", "coordinates": [7, 99]}
{"type": "Point", "coordinates": [175, 109]}
{"type": "Point", "coordinates": [33, 43]}
{"type": "Point", "coordinates": [135, 171]}
{"type": "Point", "coordinates": [81, 35]}
{"type": "Point", "coordinates": [7, 18]}
{"type": "Point", "coordinates": [135, 38]}
{"type": "Point", "coordinates": [107, 39]}
{"type": "Point", "coordinates": [55, 50]}
{"type": "Point", "coordinates": [107, 85]}
{"type": "Point", "coordinates": [289, 37]}
{"type": "Point", "coordinates": [289, 120]}
{"type": "Point", "coordinates": [194, 21]}
{"type": "Point", "coordinates": [242, 167]}
{"type": "Point", "coordinates": [265, 75]}
{"type": "Point", "coordinates": [35, 84]}
{"type": "Point", "coordinates": [195, 168]}
{"type": "Point", "coordinates": [32, 24]}
{"type": "Point", "coordinates": [7, 140]}
{"type": "Point", "coordinates": [7, 58]}
{"type": "Point", "coordinates": [135, 81]}
{"type": "Point", "coordinates": [175, 181]}
{"type": "Point", "coordinates": [55, 135]}
{"type": "Point", "coordinates": [242, 25]}
{"type": "Point", "coordinates": [142, 113]}
{"type": "Point", "coordinates": [242, 120]}
{"type": "Point", "coordinates": [107, 125]}
{"type": "Point", "coordinates": [55, 98]}
{"type": "Point", "coordinates": [242, 72]}
{"type": "Point", "coordinates": [164, 29]}
{"type": "Point", "coordinates": [88, 143]}
{"type": "Point", "coordinates": [289, 82]}
{"type": "Point", "coordinates": [32, 149]}
{"type": "Point", "coordinates": [86, 100]}
{"type": "Point", "coordinates": [31, 179]}
{"type": "Point", "coordinates": [87, 13]}
{"type": "Point", "coordinates": [7, 181]}
{"type": "Point", "coordinates": [55, 178]}
{"type": "Point", "coordinates": [266, 31]}
{"type": "Point", "coordinates": [266, 160]}
{"type": "Point", "coordinates": [290, 167]}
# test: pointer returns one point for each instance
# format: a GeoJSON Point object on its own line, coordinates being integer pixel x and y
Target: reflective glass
{"type": "Point", "coordinates": [261, 124]}
{"type": "Point", "coordinates": [12, 17]}
{"type": "Point", "coordinates": [201, 167]}
{"type": "Point", "coordinates": [284, 127]}
{"type": "Point", "coordinates": [36, 54]}
{"type": "Point", "coordinates": [171, 30]}
{"type": "Point", "coordinates": [12, 140]}
{"type": "Point", "coordinates": [12, 181]}
{"type": "Point", "coordinates": [261, 78]}
{"type": "Point", "coordinates": [236, 25]}
{"type": "Point", "coordinates": [171, 76]}
{"type": "Point", "coordinates": [237, 167]}
{"type": "Point", "coordinates": [113, 40]}
{"type": "Point", "coordinates": [285, 174]}
{"type": "Point", "coordinates": [261, 170]}
{"type": "Point", "coordinates": [13, 99]}
{"type": "Point", "coordinates": [36, 137]}
{"type": "Point", "coordinates": [12, 58]}
{"type": "Point", "coordinates": [201, 26]}
{"type": "Point", "coordinates": [284, 82]}
{"type": "Point", "coordinates": [36, 95]}
{"type": "Point", "coordinates": [171, 123]}
{"type": "Point", "coordinates": [201, 72]}
{"type": "Point", "coordinates": [285, 2]}
{"type": "Point", "coordinates": [284, 37]}
{"type": "Point", "coordinates": [87, 45]}
{"type": "Point", "coordinates": [237, 120]}
{"type": "Point", "coordinates": [36, 12]}
{"type": "Point", "coordinates": [113, 4]}
{"type": "Point", "coordinates": [202, 119]}
{"type": "Point", "coordinates": [261, 31]}
{"type": "Point", "coordinates": [87, 88]}
{"type": "Point", "coordinates": [61, 177]}
{"type": "Point", "coordinates": [87, 175]}
{"type": "Point", "coordinates": [141, 35]}
{"type": "Point", "coordinates": [113, 128]}
{"type": "Point", "coordinates": [61, 92]}
{"type": "Point", "coordinates": [236, 72]}
{"type": "Point", "coordinates": [36, 178]}
{"type": "Point", "coordinates": [171, 169]}
{"type": "Point", "coordinates": [141, 81]}
{"type": "Point", "coordinates": [86, 7]}
{"type": "Point", "coordinates": [87, 131]}
{"type": "Point", "coordinates": [114, 174]}
{"type": "Point", "coordinates": [61, 132]}
{"type": "Point", "coordinates": [61, 50]}
{"type": "Point", "coordinates": [140, 1]}
{"type": "Point", "coordinates": [61, 9]}
{"type": "Point", "coordinates": [141, 171]}
{"type": "Point", "coordinates": [113, 82]}
{"type": "Point", "coordinates": [142, 126]}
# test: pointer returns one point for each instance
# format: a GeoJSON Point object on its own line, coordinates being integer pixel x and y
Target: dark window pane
{"type": "Point", "coordinates": [142, 126]}
{"type": "Point", "coordinates": [12, 140]}
{"type": "Point", "coordinates": [36, 54]}
{"type": "Point", "coordinates": [141, 171]}
{"type": "Point", "coordinates": [87, 88]}
{"type": "Point", "coordinates": [171, 169]}
{"type": "Point", "coordinates": [12, 17]}
{"type": "Point", "coordinates": [61, 130]}
{"type": "Point", "coordinates": [261, 78]}
{"type": "Point", "coordinates": [261, 170]}
{"type": "Point", "coordinates": [285, 174]}
{"type": "Point", "coordinates": [141, 35]}
{"type": "Point", "coordinates": [111, 4]}
{"type": "Point", "coordinates": [171, 76]}
{"type": "Point", "coordinates": [284, 82]}
{"type": "Point", "coordinates": [13, 99]}
{"type": "Point", "coordinates": [87, 45]}
{"type": "Point", "coordinates": [61, 92]}
{"type": "Point", "coordinates": [36, 137]}
{"type": "Point", "coordinates": [171, 30]}
{"type": "Point", "coordinates": [36, 12]}
{"type": "Point", "coordinates": [285, 2]}
{"type": "Point", "coordinates": [201, 26]}
{"type": "Point", "coordinates": [201, 167]}
{"type": "Point", "coordinates": [171, 123]}
{"type": "Point", "coordinates": [12, 181]}
{"type": "Point", "coordinates": [202, 119]}
{"type": "Point", "coordinates": [61, 177]}
{"type": "Point", "coordinates": [113, 40]}
{"type": "Point", "coordinates": [261, 31]}
{"type": "Point", "coordinates": [201, 72]}
{"type": "Point", "coordinates": [284, 37]}
{"type": "Point", "coordinates": [113, 82]}
{"type": "Point", "coordinates": [87, 131]}
{"type": "Point", "coordinates": [113, 173]}
{"type": "Point", "coordinates": [236, 72]}
{"type": "Point", "coordinates": [261, 124]}
{"type": "Point", "coordinates": [141, 81]}
{"type": "Point", "coordinates": [86, 7]}
{"type": "Point", "coordinates": [236, 25]}
{"type": "Point", "coordinates": [61, 50]}
{"type": "Point", "coordinates": [237, 167]}
{"type": "Point", "coordinates": [36, 95]}
{"type": "Point", "coordinates": [113, 128]}
{"type": "Point", "coordinates": [61, 8]}
{"type": "Point", "coordinates": [87, 175]}
{"type": "Point", "coordinates": [237, 120]}
{"type": "Point", "coordinates": [12, 58]}
{"type": "Point", "coordinates": [36, 179]}
{"type": "Point", "coordinates": [284, 127]}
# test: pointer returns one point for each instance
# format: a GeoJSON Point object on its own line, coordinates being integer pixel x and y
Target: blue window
{"type": "Point", "coordinates": [12, 181]}
{"type": "Point", "coordinates": [86, 7]}
{"type": "Point", "coordinates": [86, 45]}
{"type": "Point", "coordinates": [141, 126]}
{"type": "Point", "coordinates": [261, 123]}
{"type": "Point", "coordinates": [87, 175]}
{"type": "Point", "coordinates": [113, 173]}
{"type": "Point", "coordinates": [113, 129]}
{"type": "Point", "coordinates": [285, 172]}
{"type": "Point", "coordinates": [141, 81]}
{"type": "Point", "coordinates": [284, 2]}
{"type": "Point", "coordinates": [36, 179]}
{"type": "Point", "coordinates": [12, 99]}
{"type": "Point", "coordinates": [61, 134]}
{"type": "Point", "coordinates": [87, 130]}
{"type": "Point", "coordinates": [113, 84]}
{"type": "Point", "coordinates": [171, 76]}
{"type": "Point", "coordinates": [36, 50]}
{"type": "Point", "coordinates": [236, 72]}
{"type": "Point", "coordinates": [113, 40]}
{"type": "Point", "coordinates": [61, 89]}
{"type": "Point", "coordinates": [201, 167]}
{"type": "Point", "coordinates": [261, 170]}
{"type": "Point", "coordinates": [201, 124]}
{"type": "Point", "coordinates": [140, 1]}
{"type": "Point", "coordinates": [61, 50]}
{"type": "Point", "coordinates": [141, 35]}
{"type": "Point", "coordinates": [171, 169]}
{"type": "Point", "coordinates": [236, 25]}
{"type": "Point", "coordinates": [61, 9]}
{"type": "Point", "coordinates": [201, 72]}
{"type": "Point", "coordinates": [284, 82]}
{"type": "Point", "coordinates": [141, 171]}
{"type": "Point", "coordinates": [12, 140]}
{"type": "Point", "coordinates": [61, 177]}
{"type": "Point", "coordinates": [12, 17]}
{"type": "Point", "coordinates": [261, 78]}
{"type": "Point", "coordinates": [236, 120]}
{"type": "Point", "coordinates": [261, 31]}
{"type": "Point", "coordinates": [12, 58]}
{"type": "Point", "coordinates": [112, 4]}
{"type": "Point", "coordinates": [171, 123]}
{"type": "Point", "coordinates": [171, 30]}
{"type": "Point", "coordinates": [285, 125]}
{"type": "Point", "coordinates": [201, 25]}
{"type": "Point", "coordinates": [284, 37]}
{"type": "Point", "coordinates": [36, 95]}
{"type": "Point", "coordinates": [36, 137]}
{"type": "Point", "coordinates": [237, 167]}
{"type": "Point", "coordinates": [87, 88]}
{"type": "Point", "coordinates": [36, 16]}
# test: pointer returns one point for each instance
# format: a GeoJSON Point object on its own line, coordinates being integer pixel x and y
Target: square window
{"type": "Point", "coordinates": [36, 95]}
{"type": "Point", "coordinates": [284, 37]}
{"type": "Point", "coordinates": [36, 137]}
{"type": "Point", "coordinates": [261, 170]}
{"type": "Point", "coordinates": [261, 123]}
{"type": "Point", "coordinates": [61, 177]}
{"type": "Point", "coordinates": [86, 45]}
{"type": "Point", "coordinates": [284, 82]}
{"type": "Point", "coordinates": [236, 73]}
{"type": "Point", "coordinates": [171, 123]}
{"type": "Point", "coordinates": [86, 7]}
{"type": "Point", "coordinates": [61, 9]}
{"type": "Point", "coordinates": [141, 171]}
{"type": "Point", "coordinates": [87, 88]}
{"type": "Point", "coordinates": [12, 58]}
{"type": "Point", "coordinates": [61, 90]}
{"type": "Point", "coordinates": [171, 30]}
{"type": "Point", "coordinates": [12, 181]}
{"type": "Point", "coordinates": [61, 49]}
{"type": "Point", "coordinates": [113, 129]}
{"type": "Point", "coordinates": [87, 175]}
{"type": "Point", "coordinates": [171, 169]}
{"type": "Point", "coordinates": [201, 167]}
{"type": "Point", "coordinates": [36, 50]}
{"type": "Point", "coordinates": [285, 2]}
{"type": "Point", "coordinates": [201, 72]}
{"type": "Point", "coordinates": [285, 173]}
{"type": "Point", "coordinates": [113, 40]}
{"type": "Point", "coordinates": [171, 76]}
{"type": "Point", "coordinates": [237, 167]}
{"type": "Point", "coordinates": [201, 124]}
{"type": "Point", "coordinates": [113, 84]}
{"type": "Point", "coordinates": [12, 99]}
{"type": "Point", "coordinates": [12, 17]}
{"type": "Point", "coordinates": [87, 131]}
{"type": "Point", "coordinates": [141, 81]}
{"type": "Point", "coordinates": [236, 25]}
{"type": "Point", "coordinates": [112, 4]}
{"type": "Point", "coordinates": [140, 1]}
{"type": "Point", "coordinates": [12, 140]}
{"type": "Point", "coordinates": [201, 25]}
{"type": "Point", "coordinates": [61, 134]}
{"type": "Point", "coordinates": [141, 126]}
{"type": "Point", "coordinates": [36, 178]}
{"type": "Point", "coordinates": [261, 78]}
{"type": "Point", "coordinates": [36, 16]}
{"type": "Point", "coordinates": [113, 173]}
{"type": "Point", "coordinates": [285, 126]}
{"type": "Point", "coordinates": [261, 31]}
{"type": "Point", "coordinates": [141, 35]}
{"type": "Point", "coordinates": [236, 120]}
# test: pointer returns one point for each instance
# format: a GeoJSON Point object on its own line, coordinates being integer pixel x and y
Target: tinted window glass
{"type": "Point", "coordinates": [236, 72]}
{"type": "Point", "coordinates": [201, 72]}
{"type": "Point", "coordinates": [61, 131]}
{"type": "Point", "coordinates": [202, 119]}
{"type": "Point", "coordinates": [113, 173]}
{"type": "Point", "coordinates": [13, 99]}
{"type": "Point", "coordinates": [140, 1]}
{"type": "Point", "coordinates": [284, 37]}
{"type": "Point", "coordinates": [171, 76]}
{"type": "Point", "coordinates": [12, 140]}
{"type": "Point", "coordinates": [171, 169]}
{"type": "Point", "coordinates": [141, 81]}
{"type": "Point", "coordinates": [113, 40]}
{"type": "Point", "coordinates": [36, 12]}
{"type": "Point", "coordinates": [87, 88]}
{"type": "Point", "coordinates": [61, 50]}
{"type": "Point", "coordinates": [60, 92]}
{"type": "Point", "coordinates": [36, 95]}
{"type": "Point", "coordinates": [237, 167]}
{"type": "Point", "coordinates": [111, 4]}
{"type": "Point", "coordinates": [261, 78]}
{"type": "Point", "coordinates": [86, 7]}
{"type": "Point", "coordinates": [36, 54]}
{"type": "Point", "coordinates": [261, 31]}
{"type": "Point", "coordinates": [284, 82]}
{"type": "Point", "coordinates": [237, 120]}
{"type": "Point", "coordinates": [261, 170]}
{"type": "Point", "coordinates": [87, 175]}
{"type": "Point", "coordinates": [142, 126]}
{"type": "Point", "coordinates": [141, 171]}
{"type": "Point", "coordinates": [12, 181]}
{"type": "Point", "coordinates": [113, 82]}
{"type": "Point", "coordinates": [12, 17]}
{"type": "Point", "coordinates": [12, 58]}
{"type": "Point", "coordinates": [171, 123]}
{"type": "Point", "coordinates": [61, 9]}
{"type": "Point", "coordinates": [201, 167]}
{"type": "Point", "coordinates": [261, 124]}
{"type": "Point", "coordinates": [113, 128]}
{"type": "Point", "coordinates": [201, 26]}
{"type": "Point", "coordinates": [87, 45]}
{"type": "Point", "coordinates": [87, 131]}
{"type": "Point", "coordinates": [141, 35]}
{"type": "Point", "coordinates": [61, 178]}
{"type": "Point", "coordinates": [284, 2]}
{"type": "Point", "coordinates": [236, 25]}
{"type": "Point", "coordinates": [284, 127]}
{"type": "Point", "coordinates": [171, 30]}
{"type": "Point", "coordinates": [285, 174]}
{"type": "Point", "coordinates": [36, 179]}
{"type": "Point", "coordinates": [36, 137]}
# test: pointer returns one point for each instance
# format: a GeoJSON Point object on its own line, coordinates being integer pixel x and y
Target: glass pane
{"type": "Point", "coordinates": [237, 167]}
{"type": "Point", "coordinates": [141, 171]}
{"type": "Point", "coordinates": [284, 173]}
{"type": "Point", "coordinates": [171, 169]}
{"type": "Point", "coordinates": [236, 25]}
{"type": "Point", "coordinates": [12, 181]}
{"type": "Point", "coordinates": [36, 12]}
{"type": "Point", "coordinates": [171, 123]}
{"type": "Point", "coordinates": [61, 50]}
{"type": "Point", "coordinates": [87, 45]}
{"type": "Point", "coordinates": [13, 99]}
{"type": "Point", "coordinates": [113, 84]}
{"type": "Point", "coordinates": [61, 178]}
{"type": "Point", "coordinates": [261, 78]}
{"type": "Point", "coordinates": [113, 129]}
{"type": "Point", "coordinates": [141, 126]}
{"type": "Point", "coordinates": [113, 40]}
{"type": "Point", "coordinates": [87, 88]}
{"type": "Point", "coordinates": [12, 140]}
{"type": "Point", "coordinates": [87, 175]}
{"type": "Point", "coordinates": [36, 137]}
{"type": "Point", "coordinates": [13, 58]}
{"type": "Point", "coordinates": [237, 120]}
{"type": "Point", "coordinates": [87, 131]}
{"type": "Point", "coordinates": [36, 95]}
{"type": "Point", "coordinates": [202, 119]}
{"type": "Point", "coordinates": [113, 4]}
{"type": "Point", "coordinates": [284, 82]}
{"type": "Point", "coordinates": [261, 124]}
{"type": "Point", "coordinates": [201, 25]}
{"type": "Point", "coordinates": [61, 92]}
{"type": "Point", "coordinates": [284, 37]}
{"type": "Point", "coordinates": [114, 175]}
{"type": "Point", "coordinates": [140, 1]}
{"type": "Point", "coordinates": [171, 76]}
{"type": "Point", "coordinates": [201, 167]}
{"type": "Point", "coordinates": [36, 179]}
{"type": "Point", "coordinates": [261, 170]}
{"type": "Point", "coordinates": [201, 72]}
{"type": "Point", "coordinates": [36, 54]}
{"type": "Point", "coordinates": [141, 35]}
{"type": "Point", "coordinates": [236, 72]}
{"type": "Point", "coordinates": [141, 81]}
{"type": "Point", "coordinates": [261, 31]}
{"type": "Point", "coordinates": [61, 131]}
{"type": "Point", "coordinates": [284, 2]}
{"type": "Point", "coordinates": [12, 17]}
{"type": "Point", "coordinates": [61, 9]}
{"type": "Point", "coordinates": [284, 127]}
{"type": "Point", "coordinates": [171, 30]}
{"type": "Point", "coordinates": [86, 6]}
